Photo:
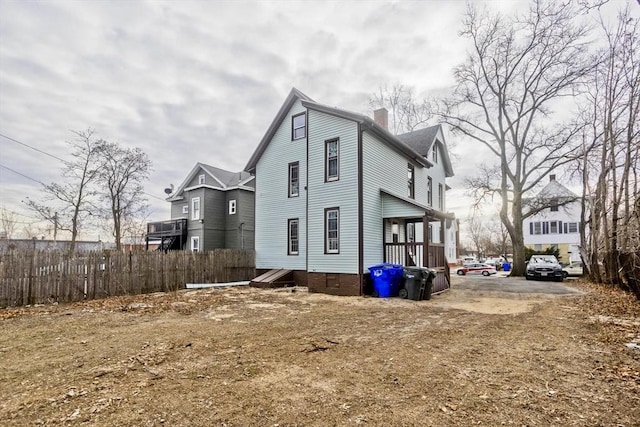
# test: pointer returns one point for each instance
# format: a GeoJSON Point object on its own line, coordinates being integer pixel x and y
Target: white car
{"type": "Point", "coordinates": [477, 268]}
{"type": "Point", "coordinates": [497, 262]}
{"type": "Point", "coordinates": [573, 269]}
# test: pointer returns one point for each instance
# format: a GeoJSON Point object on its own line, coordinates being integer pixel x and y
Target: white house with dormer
{"type": "Point", "coordinates": [557, 226]}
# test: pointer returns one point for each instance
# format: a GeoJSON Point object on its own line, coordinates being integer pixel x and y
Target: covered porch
{"type": "Point", "coordinates": [414, 236]}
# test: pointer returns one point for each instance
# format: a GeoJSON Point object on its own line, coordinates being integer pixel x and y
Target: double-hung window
{"type": "Point", "coordinates": [536, 228]}
{"type": "Point", "coordinates": [232, 207]}
{"type": "Point", "coordinates": [298, 126]}
{"type": "Point", "coordinates": [195, 243]}
{"type": "Point", "coordinates": [332, 159]}
{"type": "Point", "coordinates": [554, 205]}
{"type": "Point", "coordinates": [434, 153]}
{"type": "Point", "coordinates": [440, 197]}
{"type": "Point", "coordinates": [201, 179]}
{"type": "Point", "coordinates": [195, 208]}
{"type": "Point", "coordinates": [411, 175]}
{"type": "Point", "coordinates": [429, 191]}
{"type": "Point", "coordinates": [332, 230]}
{"type": "Point", "coordinates": [293, 239]}
{"type": "Point", "coordinates": [294, 179]}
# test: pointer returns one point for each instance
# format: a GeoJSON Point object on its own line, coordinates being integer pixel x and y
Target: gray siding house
{"type": "Point", "coordinates": [337, 193]}
{"type": "Point", "coordinates": [213, 208]}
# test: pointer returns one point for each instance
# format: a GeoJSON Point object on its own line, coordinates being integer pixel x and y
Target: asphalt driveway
{"type": "Point", "coordinates": [501, 283]}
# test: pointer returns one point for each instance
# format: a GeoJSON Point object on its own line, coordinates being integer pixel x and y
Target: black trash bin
{"type": "Point", "coordinates": [429, 275]}
{"type": "Point", "coordinates": [418, 283]}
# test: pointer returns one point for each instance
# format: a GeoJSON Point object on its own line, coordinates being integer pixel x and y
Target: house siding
{"type": "Point", "coordinates": [273, 207]}
{"type": "Point", "coordinates": [385, 168]}
{"type": "Point", "coordinates": [213, 215]}
{"type": "Point", "coordinates": [567, 243]}
{"type": "Point", "coordinates": [176, 209]}
{"type": "Point", "coordinates": [239, 236]}
{"type": "Point", "coordinates": [341, 194]}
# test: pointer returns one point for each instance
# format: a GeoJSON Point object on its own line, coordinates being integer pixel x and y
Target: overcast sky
{"type": "Point", "coordinates": [201, 81]}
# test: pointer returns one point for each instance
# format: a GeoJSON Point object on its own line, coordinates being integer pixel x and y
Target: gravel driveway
{"type": "Point", "coordinates": [502, 283]}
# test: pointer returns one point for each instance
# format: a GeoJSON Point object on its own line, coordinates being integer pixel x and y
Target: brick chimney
{"type": "Point", "coordinates": [552, 177]}
{"type": "Point", "coordinates": [381, 117]}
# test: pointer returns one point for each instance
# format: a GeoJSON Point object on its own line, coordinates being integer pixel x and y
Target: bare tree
{"type": "Point", "coordinates": [122, 172]}
{"type": "Point", "coordinates": [9, 222]}
{"type": "Point", "coordinates": [477, 233]}
{"type": "Point", "coordinates": [611, 157]}
{"type": "Point", "coordinates": [517, 70]}
{"type": "Point", "coordinates": [407, 112]}
{"type": "Point", "coordinates": [67, 204]}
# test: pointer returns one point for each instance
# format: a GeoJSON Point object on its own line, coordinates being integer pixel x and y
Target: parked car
{"type": "Point", "coordinates": [573, 269]}
{"type": "Point", "coordinates": [477, 268]}
{"type": "Point", "coordinates": [544, 267]}
{"type": "Point", "coordinates": [497, 262]}
{"type": "Point", "coordinates": [468, 260]}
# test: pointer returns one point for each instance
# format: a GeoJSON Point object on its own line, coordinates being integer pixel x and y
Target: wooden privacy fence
{"type": "Point", "coordinates": [38, 277]}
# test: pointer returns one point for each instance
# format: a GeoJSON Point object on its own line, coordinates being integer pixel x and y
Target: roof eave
{"type": "Point", "coordinates": [294, 94]}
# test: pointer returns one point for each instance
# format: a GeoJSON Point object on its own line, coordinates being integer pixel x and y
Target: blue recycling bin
{"type": "Point", "coordinates": [506, 267]}
{"type": "Point", "coordinates": [387, 279]}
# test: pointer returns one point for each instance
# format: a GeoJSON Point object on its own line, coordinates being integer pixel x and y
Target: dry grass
{"type": "Point", "coordinates": [242, 356]}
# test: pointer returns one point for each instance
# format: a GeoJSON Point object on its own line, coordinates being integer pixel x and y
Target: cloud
{"type": "Point", "coordinates": [196, 81]}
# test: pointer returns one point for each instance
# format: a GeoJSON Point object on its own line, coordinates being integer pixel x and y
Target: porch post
{"type": "Point", "coordinates": [425, 239]}
{"type": "Point", "coordinates": [384, 240]}
{"type": "Point", "coordinates": [444, 246]}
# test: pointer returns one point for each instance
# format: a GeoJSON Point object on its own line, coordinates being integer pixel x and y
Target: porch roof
{"type": "Point", "coordinates": [396, 206]}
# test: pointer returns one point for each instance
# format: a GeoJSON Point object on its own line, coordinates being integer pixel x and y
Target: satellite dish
{"type": "Point", "coordinates": [169, 190]}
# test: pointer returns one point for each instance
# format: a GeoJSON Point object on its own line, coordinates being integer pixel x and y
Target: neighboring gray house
{"type": "Point", "coordinates": [213, 208]}
{"type": "Point", "coordinates": [337, 193]}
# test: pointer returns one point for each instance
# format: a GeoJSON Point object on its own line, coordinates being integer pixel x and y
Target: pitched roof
{"type": "Point", "coordinates": [225, 178]}
{"type": "Point", "coordinates": [556, 190]}
{"type": "Point", "coordinates": [367, 123]}
{"type": "Point", "coordinates": [293, 96]}
{"type": "Point", "coordinates": [422, 141]}
{"type": "Point", "coordinates": [228, 179]}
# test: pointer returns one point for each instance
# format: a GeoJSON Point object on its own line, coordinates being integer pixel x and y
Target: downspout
{"type": "Point", "coordinates": [306, 195]}
{"type": "Point", "coordinates": [425, 238]}
{"type": "Point", "coordinates": [360, 214]}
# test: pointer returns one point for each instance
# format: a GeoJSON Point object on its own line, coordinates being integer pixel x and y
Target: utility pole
{"type": "Point", "coordinates": [55, 227]}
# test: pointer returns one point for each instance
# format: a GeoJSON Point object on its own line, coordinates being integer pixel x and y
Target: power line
{"type": "Point", "coordinates": [33, 148]}
{"type": "Point", "coordinates": [21, 174]}
{"type": "Point", "coordinates": [50, 155]}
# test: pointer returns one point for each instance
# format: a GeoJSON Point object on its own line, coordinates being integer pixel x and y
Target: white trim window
{"type": "Point", "coordinates": [232, 207]}
{"type": "Point", "coordinates": [195, 208]}
{"type": "Point", "coordinates": [332, 159]}
{"type": "Point", "coordinates": [201, 179]}
{"type": "Point", "coordinates": [429, 191]}
{"type": "Point", "coordinates": [332, 230]}
{"type": "Point", "coordinates": [195, 243]}
{"type": "Point", "coordinates": [298, 126]}
{"type": "Point", "coordinates": [440, 197]}
{"type": "Point", "coordinates": [293, 238]}
{"type": "Point", "coordinates": [434, 153]}
{"type": "Point", "coordinates": [185, 209]}
{"type": "Point", "coordinates": [294, 179]}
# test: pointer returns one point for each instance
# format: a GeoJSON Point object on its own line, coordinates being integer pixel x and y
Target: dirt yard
{"type": "Point", "coordinates": [244, 357]}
